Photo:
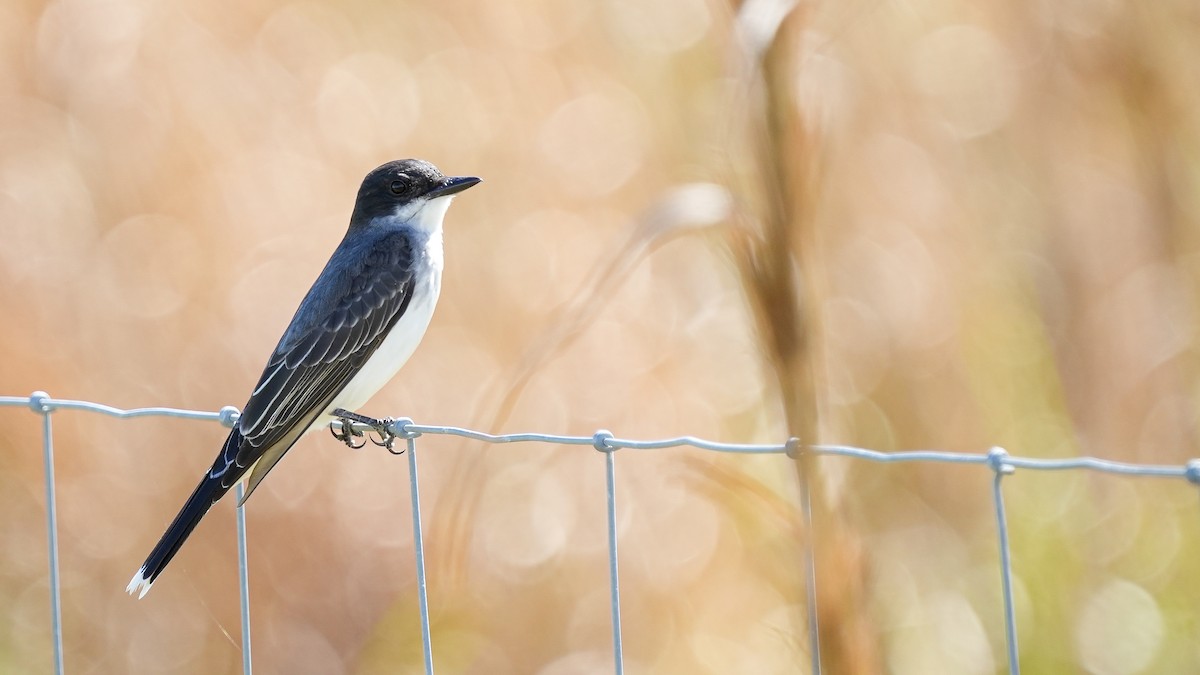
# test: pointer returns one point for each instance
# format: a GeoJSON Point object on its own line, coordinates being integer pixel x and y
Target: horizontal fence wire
{"type": "Point", "coordinates": [996, 460]}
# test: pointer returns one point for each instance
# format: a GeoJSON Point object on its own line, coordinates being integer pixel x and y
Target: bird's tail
{"type": "Point", "coordinates": [210, 489]}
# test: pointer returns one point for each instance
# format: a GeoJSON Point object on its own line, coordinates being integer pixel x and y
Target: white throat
{"type": "Point", "coordinates": [424, 214]}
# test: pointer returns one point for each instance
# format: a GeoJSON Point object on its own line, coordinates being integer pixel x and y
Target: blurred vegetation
{"type": "Point", "coordinates": [950, 225]}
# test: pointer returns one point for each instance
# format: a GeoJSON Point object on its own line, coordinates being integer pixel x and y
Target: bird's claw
{"type": "Point", "coordinates": [346, 433]}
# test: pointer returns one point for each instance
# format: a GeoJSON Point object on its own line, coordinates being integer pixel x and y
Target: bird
{"type": "Point", "coordinates": [354, 329]}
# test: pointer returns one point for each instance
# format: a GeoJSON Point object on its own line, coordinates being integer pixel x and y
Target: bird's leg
{"type": "Point", "coordinates": [386, 440]}
{"type": "Point", "coordinates": [348, 433]}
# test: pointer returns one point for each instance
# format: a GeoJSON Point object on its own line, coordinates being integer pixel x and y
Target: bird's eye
{"type": "Point", "coordinates": [401, 184]}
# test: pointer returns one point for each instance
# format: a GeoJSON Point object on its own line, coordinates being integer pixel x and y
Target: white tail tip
{"type": "Point", "coordinates": [139, 584]}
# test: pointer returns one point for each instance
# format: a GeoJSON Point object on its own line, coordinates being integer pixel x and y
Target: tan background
{"type": "Point", "coordinates": [1003, 243]}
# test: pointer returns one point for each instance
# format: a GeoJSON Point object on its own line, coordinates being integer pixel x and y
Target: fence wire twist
{"type": "Point", "coordinates": [996, 459]}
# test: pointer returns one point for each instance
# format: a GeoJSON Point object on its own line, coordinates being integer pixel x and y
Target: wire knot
{"type": "Point", "coordinates": [38, 402]}
{"type": "Point", "coordinates": [1192, 471]}
{"type": "Point", "coordinates": [229, 416]}
{"type": "Point", "coordinates": [600, 441]}
{"type": "Point", "coordinates": [792, 448]}
{"type": "Point", "coordinates": [997, 458]}
{"type": "Point", "coordinates": [400, 428]}
{"type": "Point", "coordinates": [381, 431]}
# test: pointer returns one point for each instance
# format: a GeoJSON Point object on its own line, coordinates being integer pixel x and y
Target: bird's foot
{"type": "Point", "coordinates": [345, 432]}
{"type": "Point", "coordinates": [381, 432]}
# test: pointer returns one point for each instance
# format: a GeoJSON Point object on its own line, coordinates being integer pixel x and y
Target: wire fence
{"type": "Point", "coordinates": [996, 460]}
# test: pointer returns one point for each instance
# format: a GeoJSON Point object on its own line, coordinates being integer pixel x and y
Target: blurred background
{"type": "Point", "coordinates": [943, 225]}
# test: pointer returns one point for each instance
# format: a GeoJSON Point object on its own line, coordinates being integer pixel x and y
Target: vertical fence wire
{"type": "Point", "coordinates": [614, 582]}
{"type": "Point", "coordinates": [419, 553]}
{"type": "Point", "coordinates": [38, 402]}
{"type": "Point", "coordinates": [997, 459]}
{"type": "Point", "coordinates": [810, 558]}
{"type": "Point", "coordinates": [243, 581]}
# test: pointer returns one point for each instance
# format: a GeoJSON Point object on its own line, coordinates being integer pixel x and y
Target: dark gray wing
{"type": "Point", "coordinates": [364, 289]}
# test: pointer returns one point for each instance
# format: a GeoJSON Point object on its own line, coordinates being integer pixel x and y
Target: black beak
{"type": "Point", "coordinates": [452, 185]}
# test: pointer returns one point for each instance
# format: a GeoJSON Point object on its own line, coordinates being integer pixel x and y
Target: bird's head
{"type": "Point", "coordinates": [407, 191]}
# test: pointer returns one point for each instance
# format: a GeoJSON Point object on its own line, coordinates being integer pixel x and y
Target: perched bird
{"type": "Point", "coordinates": [358, 324]}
